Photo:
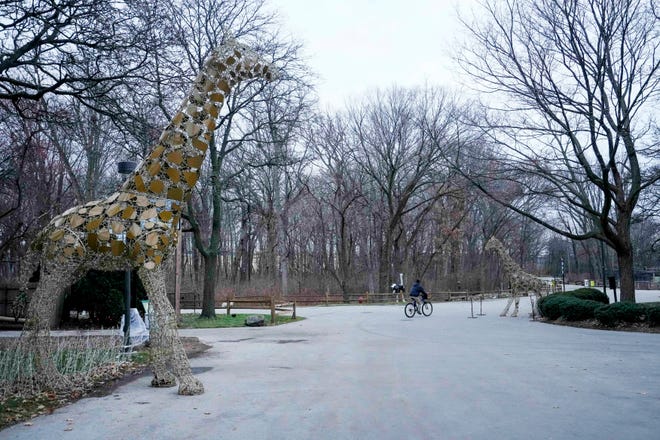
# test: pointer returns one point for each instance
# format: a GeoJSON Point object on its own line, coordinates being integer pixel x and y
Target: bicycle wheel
{"type": "Point", "coordinates": [427, 308]}
{"type": "Point", "coordinates": [409, 310]}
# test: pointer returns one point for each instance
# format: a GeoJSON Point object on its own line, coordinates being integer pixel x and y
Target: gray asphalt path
{"type": "Point", "coordinates": [367, 372]}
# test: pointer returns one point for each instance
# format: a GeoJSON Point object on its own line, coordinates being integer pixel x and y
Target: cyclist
{"type": "Point", "coordinates": [416, 291]}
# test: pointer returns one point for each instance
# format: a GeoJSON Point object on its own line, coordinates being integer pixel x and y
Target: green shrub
{"type": "Point", "coordinates": [551, 306]}
{"type": "Point", "coordinates": [584, 293]}
{"type": "Point", "coordinates": [568, 307]}
{"type": "Point", "coordinates": [622, 312]}
{"type": "Point", "coordinates": [588, 293]}
{"type": "Point", "coordinates": [576, 309]}
{"type": "Point", "coordinates": [653, 315]}
{"type": "Point", "coordinates": [102, 295]}
{"type": "Point", "coordinates": [543, 299]}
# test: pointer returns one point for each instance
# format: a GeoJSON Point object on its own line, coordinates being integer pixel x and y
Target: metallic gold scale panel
{"type": "Point", "coordinates": [125, 223]}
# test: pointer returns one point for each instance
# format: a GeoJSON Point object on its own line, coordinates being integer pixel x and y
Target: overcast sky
{"type": "Point", "coordinates": [358, 45]}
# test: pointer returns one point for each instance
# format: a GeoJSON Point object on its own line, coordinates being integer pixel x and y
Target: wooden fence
{"type": "Point", "coordinates": [193, 300]}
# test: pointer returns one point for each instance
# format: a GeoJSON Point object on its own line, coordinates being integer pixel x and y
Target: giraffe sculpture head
{"type": "Point", "coordinates": [241, 62]}
{"type": "Point", "coordinates": [493, 244]}
{"type": "Point", "coordinates": [137, 226]}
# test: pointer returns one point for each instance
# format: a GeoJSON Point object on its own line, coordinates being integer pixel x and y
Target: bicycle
{"type": "Point", "coordinates": [412, 307]}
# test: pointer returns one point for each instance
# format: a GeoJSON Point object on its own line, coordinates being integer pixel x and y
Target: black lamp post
{"type": "Point", "coordinates": [563, 280]}
{"type": "Point", "coordinates": [127, 167]}
{"type": "Point", "coordinates": [602, 262]}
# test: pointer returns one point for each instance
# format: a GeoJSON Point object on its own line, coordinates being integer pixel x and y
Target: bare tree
{"type": "Point", "coordinates": [32, 184]}
{"type": "Point", "coordinates": [64, 67]}
{"type": "Point", "coordinates": [198, 27]}
{"type": "Point", "coordinates": [284, 112]}
{"type": "Point", "coordinates": [401, 136]}
{"type": "Point", "coordinates": [579, 83]}
{"type": "Point", "coordinates": [68, 47]}
{"type": "Point", "coordinates": [340, 190]}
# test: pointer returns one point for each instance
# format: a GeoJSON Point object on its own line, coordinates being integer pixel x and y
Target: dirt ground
{"type": "Point", "coordinates": [593, 324]}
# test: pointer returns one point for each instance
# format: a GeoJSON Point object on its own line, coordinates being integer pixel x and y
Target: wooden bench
{"type": "Point", "coordinates": [268, 303]}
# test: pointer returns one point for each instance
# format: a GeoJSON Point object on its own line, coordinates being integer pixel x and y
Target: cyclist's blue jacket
{"type": "Point", "coordinates": [416, 289]}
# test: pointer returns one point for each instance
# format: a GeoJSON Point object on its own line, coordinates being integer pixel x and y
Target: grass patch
{"type": "Point", "coordinates": [193, 320]}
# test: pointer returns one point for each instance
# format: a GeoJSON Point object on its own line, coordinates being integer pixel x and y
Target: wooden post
{"type": "Point", "coordinates": [7, 311]}
{"type": "Point", "coordinates": [294, 311]}
{"type": "Point", "coordinates": [177, 275]}
{"type": "Point", "coordinates": [272, 310]}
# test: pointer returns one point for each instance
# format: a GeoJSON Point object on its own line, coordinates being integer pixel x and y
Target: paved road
{"type": "Point", "coordinates": [367, 372]}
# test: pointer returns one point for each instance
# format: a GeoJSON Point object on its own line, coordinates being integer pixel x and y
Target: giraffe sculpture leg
{"type": "Point", "coordinates": [516, 299]}
{"type": "Point", "coordinates": [515, 307]}
{"type": "Point", "coordinates": [167, 349]}
{"type": "Point", "coordinates": [535, 303]}
{"type": "Point", "coordinates": [35, 338]}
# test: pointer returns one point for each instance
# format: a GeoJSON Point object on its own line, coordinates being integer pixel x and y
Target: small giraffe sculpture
{"type": "Point", "coordinates": [521, 281]}
{"type": "Point", "coordinates": [137, 227]}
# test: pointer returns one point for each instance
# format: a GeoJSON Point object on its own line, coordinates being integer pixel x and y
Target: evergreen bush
{"type": "Point", "coordinates": [576, 309]}
{"type": "Point", "coordinates": [584, 293]}
{"type": "Point", "coordinates": [542, 301]}
{"type": "Point", "coordinates": [653, 315]}
{"type": "Point", "coordinates": [102, 295]}
{"type": "Point", "coordinates": [622, 312]}
{"type": "Point", "coordinates": [568, 307]}
{"type": "Point", "coordinates": [588, 293]}
{"type": "Point", "coordinates": [552, 306]}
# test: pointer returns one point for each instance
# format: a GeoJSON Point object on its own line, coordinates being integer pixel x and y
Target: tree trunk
{"type": "Point", "coordinates": [283, 250]}
{"type": "Point", "coordinates": [343, 249]}
{"type": "Point", "coordinates": [385, 264]}
{"type": "Point", "coordinates": [210, 277]}
{"type": "Point", "coordinates": [627, 274]}
{"type": "Point", "coordinates": [270, 270]}
{"type": "Point", "coordinates": [344, 292]}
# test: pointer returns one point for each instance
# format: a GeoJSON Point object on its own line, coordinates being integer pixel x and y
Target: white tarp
{"type": "Point", "coordinates": [138, 330]}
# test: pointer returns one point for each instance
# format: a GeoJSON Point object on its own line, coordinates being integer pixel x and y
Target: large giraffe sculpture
{"type": "Point", "coordinates": [521, 281]}
{"type": "Point", "coordinates": [137, 227]}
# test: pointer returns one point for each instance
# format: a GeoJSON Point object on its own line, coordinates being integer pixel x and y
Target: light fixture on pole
{"type": "Point", "coordinates": [127, 167]}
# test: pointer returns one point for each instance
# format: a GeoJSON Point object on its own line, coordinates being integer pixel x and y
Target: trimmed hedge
{"type": "Point", "coordinates": [586, 303]}
{"type": "Point", "coordinates": [558, 308]}
{"type": "Point", "coordinates": [568, 307]}
{"type": "Point", "coordinates": [590, 294]}
{"type": "Point", "coordinates": [551, 306]}
{"type": "Point", "coordinates": [623, 312]}
{"type": "Point", "coordinates": [579, 310]}
{"type": "Point", "coordinates": [653, 315]}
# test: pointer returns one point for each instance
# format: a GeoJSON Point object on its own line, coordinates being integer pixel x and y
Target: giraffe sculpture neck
{"type": "Point", "coordinates": [172, 168]}
{"type": "Point", "coordinates": [507, 262]}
